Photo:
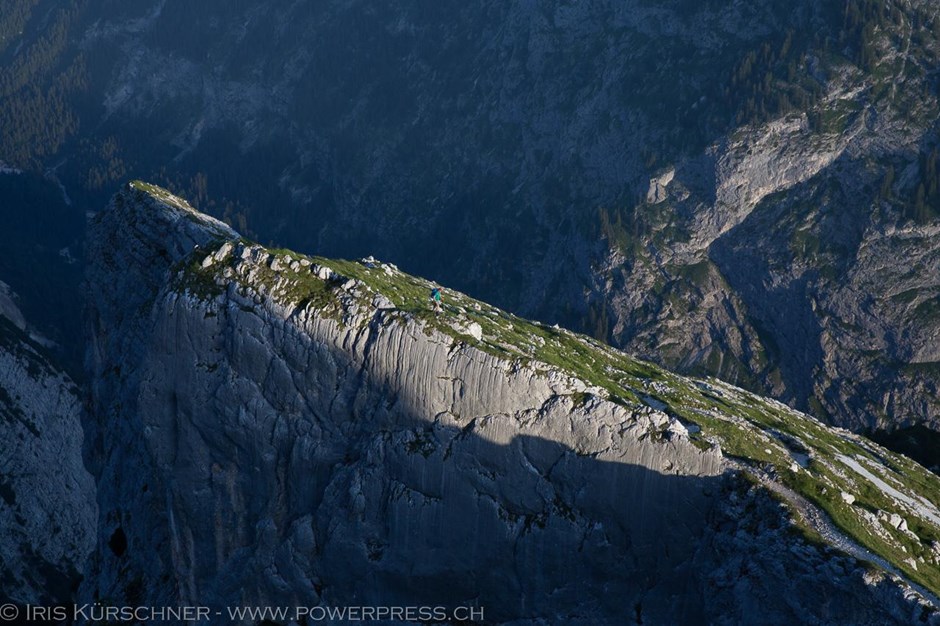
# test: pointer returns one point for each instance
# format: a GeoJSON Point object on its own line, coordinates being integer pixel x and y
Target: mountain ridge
{"type": "Point", "coordinates": [516, 152]}
{"type": "Point", "coordinates": [404, 394]}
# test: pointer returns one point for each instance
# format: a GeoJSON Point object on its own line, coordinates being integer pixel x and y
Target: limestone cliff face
{"type": "Point", "coordinates": [786, 153]}
{"type": "Point", "coordinates": [47, 498]}
{"type": "Point", "coordinates": [774, 263]}
{"type": "Point", "coordinates": [269, 430]}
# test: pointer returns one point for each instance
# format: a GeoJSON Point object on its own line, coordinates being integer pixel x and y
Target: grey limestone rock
{"type": "Point", "coordinates": [251, 448]}
{"type": "Point", "coordinates": [47, 498]}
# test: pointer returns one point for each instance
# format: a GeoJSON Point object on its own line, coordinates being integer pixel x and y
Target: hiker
{"type": "Point", "coordinates": [436, 298]}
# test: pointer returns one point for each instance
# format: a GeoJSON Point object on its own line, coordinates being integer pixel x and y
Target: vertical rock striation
{"type": "Point", "coordinates": [258, 443]}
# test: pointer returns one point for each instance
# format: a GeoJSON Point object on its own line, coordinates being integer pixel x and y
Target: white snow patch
{"type": "Point", "coordinates": [920, 507]}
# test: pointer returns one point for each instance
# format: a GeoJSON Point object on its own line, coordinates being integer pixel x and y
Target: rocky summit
{"type": "Point", "coordinates": [269, 428]}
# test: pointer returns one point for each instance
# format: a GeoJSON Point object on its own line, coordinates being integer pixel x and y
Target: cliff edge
{"type": "Point", "coordinates": [268, 429]}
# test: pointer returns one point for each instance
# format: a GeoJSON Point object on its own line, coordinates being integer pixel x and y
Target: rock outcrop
{"type": "Point", "coordinates": [47, 498]}
{"type": "Point", "coordinates": [266, 430]}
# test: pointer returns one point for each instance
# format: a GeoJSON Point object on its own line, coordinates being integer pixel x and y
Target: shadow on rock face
{"type": "Point", "coordinates": [526, 529]}
{"type": "Point", "coordinates": [256, 453]}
